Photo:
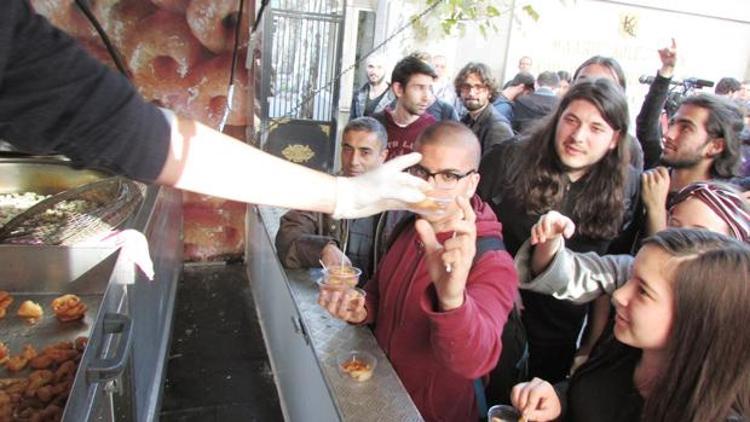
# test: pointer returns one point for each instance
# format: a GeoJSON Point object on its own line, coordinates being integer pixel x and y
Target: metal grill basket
{"type": "Point", "coordinates": [77, 214]}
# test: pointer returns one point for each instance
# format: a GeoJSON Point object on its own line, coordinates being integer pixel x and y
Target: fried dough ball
{"type": "Point", "coordinates": [209, 81]}
{"type": "Point", "coordinates": [5, 300]}
{"type": "Point", "coordinates": [42, 361]}
{"type": "Point", "coordinates": [213, 23]}
{"type": "Point", "coordinates": [80, 343]}
{"type": "Point", "coordinates": [38, 379]}
{"type": "Point", "coordinates": [18, 363]}
{"type": "Point", "coordinates": [69, 308]}
{"type": "Point", "coordinates": [160, 54]}
{"type": "Point", "coordinates": [6, 406]}
{"type": "Point", "coordinates": [31, 311]}
{"type": "Point", "coordinates": [4, 353]}
{"type": "Point", "coordinates": [65, 15]}
{"type": "Point", "coordinates": [66, 371]}
{"type": "Point", "coordinates": [62, 345]}
{"type": "Point", "coordinates": [176, 6]}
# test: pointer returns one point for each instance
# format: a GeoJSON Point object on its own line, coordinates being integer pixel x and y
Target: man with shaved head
{"type": "Point", "coordinates": [443, 291]}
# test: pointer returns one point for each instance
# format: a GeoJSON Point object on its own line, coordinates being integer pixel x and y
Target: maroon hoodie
{"type": "Point", "coordinates": [437, 354]}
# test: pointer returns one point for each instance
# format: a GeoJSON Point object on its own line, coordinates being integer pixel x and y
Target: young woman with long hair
{"type": "Point", "coordinates": [678, 348]}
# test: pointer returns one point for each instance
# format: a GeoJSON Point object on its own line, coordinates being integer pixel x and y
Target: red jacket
{"type": "Point", "coordinates": [437, 355]}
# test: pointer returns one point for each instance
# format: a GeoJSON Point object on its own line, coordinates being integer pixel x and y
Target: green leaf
{"type": "Point", "coordinates": [483, 30]}
{"type": "Point", "coordinates": [531, 12]}
{"type": "Point", "coordinates": [492, 11]}
{"type": "Point", "coordinates": [447, 25]}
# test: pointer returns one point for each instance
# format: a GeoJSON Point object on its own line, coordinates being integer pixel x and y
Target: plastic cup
{"type": "Point", "coordinates": [433, 204]}
{"type": "Point", "coordinates": [353, 295]}
{"type": "Point", "coordinates": [340, 277]}
{"type": "Point", "coordinates": [356, 365]}
{"type": "Point", "coordinates": [503, 413]}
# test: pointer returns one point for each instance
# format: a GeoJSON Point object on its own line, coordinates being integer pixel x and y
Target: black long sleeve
{"type": "Point", "coordinates": [54, 97]}
{"type": "Point", "coordinates": [647, 128]}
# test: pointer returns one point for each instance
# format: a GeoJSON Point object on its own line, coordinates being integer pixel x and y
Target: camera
{"type": "Point", "coordinates": [678, 91]}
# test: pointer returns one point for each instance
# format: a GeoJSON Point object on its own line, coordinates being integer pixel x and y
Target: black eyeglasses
{"type": "Point", "coordinates": [444, 179]}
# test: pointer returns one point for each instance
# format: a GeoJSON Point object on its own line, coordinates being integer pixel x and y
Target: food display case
{"type": "Point", "coordinates": [129, 318]}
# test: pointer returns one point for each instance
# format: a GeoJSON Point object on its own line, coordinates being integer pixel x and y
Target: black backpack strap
{"type": "Point", "coordinates": [484, 244]}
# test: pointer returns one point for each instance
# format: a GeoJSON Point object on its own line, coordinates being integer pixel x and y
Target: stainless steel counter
{"type": "Point", "coordinates": [304, 341]}
{"type": "Point", "coordinates": [120, 375]}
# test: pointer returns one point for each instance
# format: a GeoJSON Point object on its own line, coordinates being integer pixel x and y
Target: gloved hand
{"type": "Point", "coordinates": [382, 189]}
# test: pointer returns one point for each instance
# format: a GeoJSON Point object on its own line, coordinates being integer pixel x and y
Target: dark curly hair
{"type": "Point", "coordinates": [483, 72]}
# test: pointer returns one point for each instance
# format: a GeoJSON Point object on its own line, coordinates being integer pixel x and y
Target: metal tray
{"type": "Point", "coordinates": [43, 176]}
{"type": "Point", "coordinates": [87, 273]}
{"type": "Point", "coordinates": [17, 332]}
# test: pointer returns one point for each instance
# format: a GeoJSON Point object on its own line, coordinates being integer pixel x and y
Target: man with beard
{"type": "Point", "coordinates": [701, 143]}
{"type": "Point", "coordinates": [374, 95]}
{"type": "Point", "coordinates": [412, 80]}
{"type": "Point", "coordinates": [476, 88]}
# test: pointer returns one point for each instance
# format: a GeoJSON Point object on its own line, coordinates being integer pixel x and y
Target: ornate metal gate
{"type": "Point", "coordinates": [298, 96]}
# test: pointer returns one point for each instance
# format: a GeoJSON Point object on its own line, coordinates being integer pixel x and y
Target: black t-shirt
{"type": "Point", "coordinates": [372, 104]}
{"type": "Point", "coordinates": [54, 97]}
{"type": "Point", "coordinates": [603, 388]}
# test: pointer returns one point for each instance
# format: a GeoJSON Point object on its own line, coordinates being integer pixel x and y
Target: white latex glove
{"type": "Point", "coordinates": [385, 188]}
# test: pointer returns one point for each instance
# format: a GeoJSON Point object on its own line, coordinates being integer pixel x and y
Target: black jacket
{"type": "Point", "coordinates": [490, 127]}
{"type": "Point", "coordinates": [527, 109]}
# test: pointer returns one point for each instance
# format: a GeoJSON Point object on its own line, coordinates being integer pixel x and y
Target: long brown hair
{"type": "Point", "coordinates": [537, 177]}
{"type": "Point", "coordinates": [707, 370]}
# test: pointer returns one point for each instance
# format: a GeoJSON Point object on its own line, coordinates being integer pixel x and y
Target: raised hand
{"type": "Point", "coordinates": [668, 56]}
{"type": "Point", "coordinates": [449, 264]}
{"type": "Point", "coordinates": [655, 188]}
{"type": "Point", "coordinates": [550, 226]}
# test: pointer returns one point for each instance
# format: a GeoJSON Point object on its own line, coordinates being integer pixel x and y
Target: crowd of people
{"type": "Point", "coordinates": [629, 247]}
{"type": "Point", "coordinates": [623, 249]}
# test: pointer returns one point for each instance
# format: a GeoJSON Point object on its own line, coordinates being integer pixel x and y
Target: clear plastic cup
{"type": "Point", "coordinates": [340, 277]}
{"type": "Point", "coordinates": [433, 204]}
{"type": "Point", "coordinates": [356, 365]}
{"type": "Point", "coordinates": [353, 295]}
{"type": "Point", "coordinates": [504, 413]}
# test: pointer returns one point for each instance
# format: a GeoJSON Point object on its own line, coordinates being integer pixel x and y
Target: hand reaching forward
{"type": "Point", "coordinates": [544, 235]}
{"type": "Point", "coordinates": [550, 226]}
{"type": "Point", "coordinates": [386, 188]}
{"type": "Point", "coordinates": [449, 264]}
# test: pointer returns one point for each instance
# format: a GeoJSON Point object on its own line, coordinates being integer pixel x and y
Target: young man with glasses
{"type": "Point", "coordinates": [438, 308]}
{"type": "Point", "coordinates": [477, 89]}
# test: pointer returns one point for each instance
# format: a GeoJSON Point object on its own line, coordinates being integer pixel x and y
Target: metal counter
{"type": "Point", "coordinates": [121, 374]}
{"type": "Point", "coordinates": [303, 341]}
